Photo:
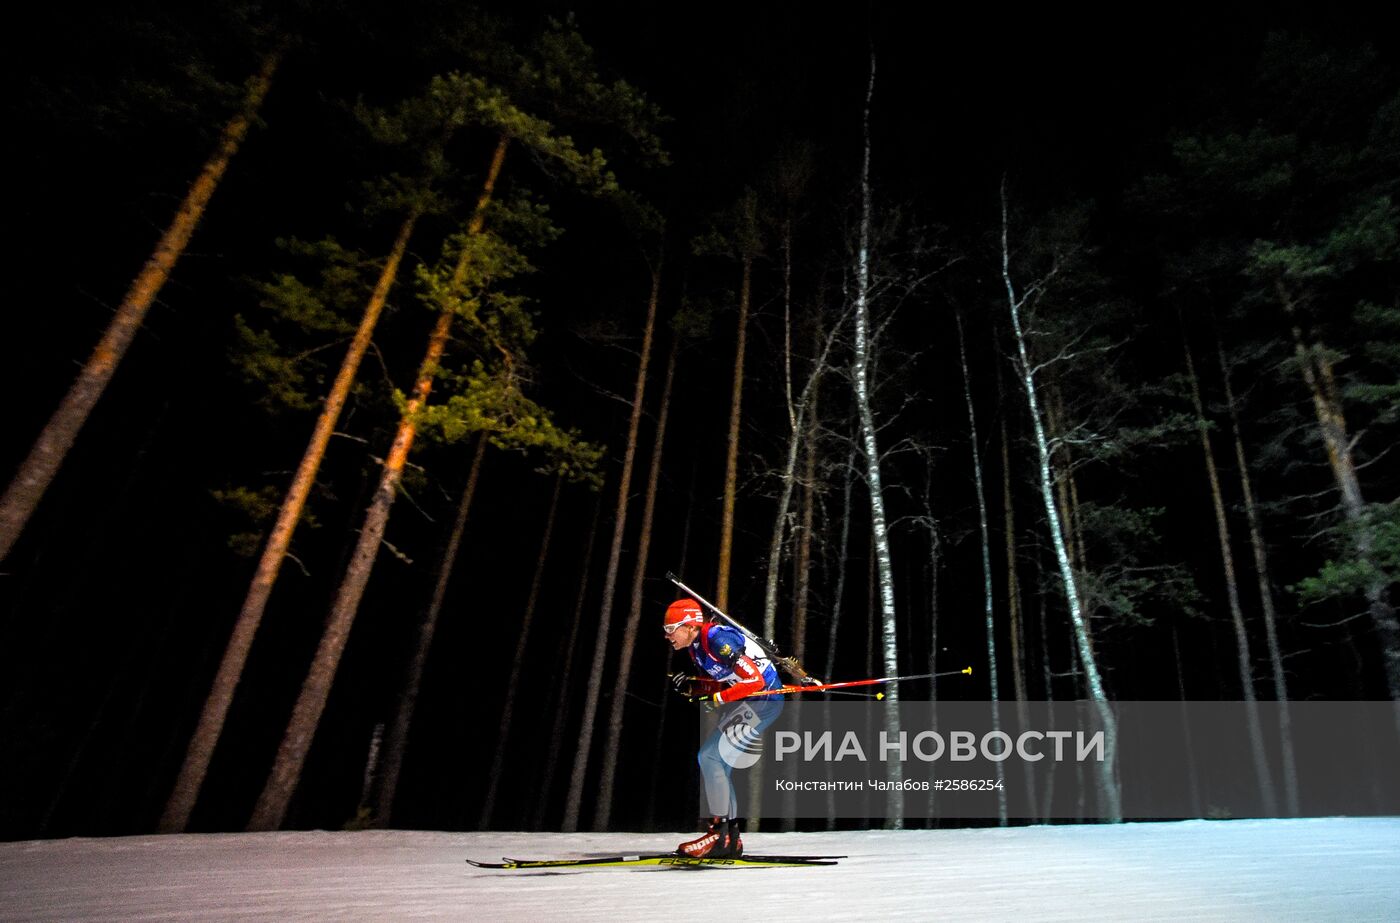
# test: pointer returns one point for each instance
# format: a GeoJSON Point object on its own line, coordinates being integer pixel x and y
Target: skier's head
{"type": "Point", "coordinates": [683, 620]}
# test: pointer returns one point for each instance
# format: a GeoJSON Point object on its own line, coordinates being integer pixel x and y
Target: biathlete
{"type": "Point", "coordinates": [734, 668]}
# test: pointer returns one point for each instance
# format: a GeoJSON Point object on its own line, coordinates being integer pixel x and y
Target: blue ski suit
{"type": "Point", "coordinates": [726, 656]}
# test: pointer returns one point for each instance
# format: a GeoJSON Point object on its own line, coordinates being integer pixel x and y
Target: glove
{"type": "Point", "coordinates": [695, 688]}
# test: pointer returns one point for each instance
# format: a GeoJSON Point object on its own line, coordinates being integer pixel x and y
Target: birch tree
{"type": "Point", "coordinates": [860, 380]}
{"type": "Point", "coordinates": [986, 564]}
{"type": "Point", "coordinates": [789, 179]}
{"type": "Point", "coordinates": [1017, 299]}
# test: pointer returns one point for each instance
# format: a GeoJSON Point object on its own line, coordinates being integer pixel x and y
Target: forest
{"type": "Point", "coordinates": [370, 366]}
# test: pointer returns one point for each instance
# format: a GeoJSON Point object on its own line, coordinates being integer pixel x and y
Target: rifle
{"type": "Point", "coordinates": [790, 664]}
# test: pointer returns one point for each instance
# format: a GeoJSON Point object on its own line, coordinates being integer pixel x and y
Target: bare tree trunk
{"type": "Point", "coordinates": [838, 595]}
{"type": "Point", "coordinates": [220, 699]}
{"type": "Point", "coordinates": [37, 471]}
{"type": "Point", "coordinates": [1013, 591]}
{"type": "Point", "coordinates": [1191, 774]}
{"type": "Point", "coordinates": [804, 409]}
{"type": "Point", "coordinates": [1243, 660]}
{"type": "Point", "coordinates": [986, 569]}
{"type": "Point", "coordinates": [1266, 597]}
{"type": "Point", "coordinates": [1327, 404]}
{"type": "Point", "coordinates": [1048, 678]}
{"type": "Point", "coordinates": [934, 553]}
{"type": "Point", "coordinates": [566, 667]}
{"type": "Point", "coordinates": [802, 570]}
{"type": "Point", "coordinates": [666, 697]}
{"type": "Point", "coordinates": [1013, 587]}
{"type": "Point", "coordinates": [364, 810]}
{"type": "Point", "coordinates": [770, 590]}
{"type": "Point", "coordinates": [517, 664]}
{"type": "Point", "coordinates": [775, 545]}
{"type": "Point", "coordinates": [894, 802]}
{"type": "Point", "coordinates": [634, 611]}
{"type": "Point", "coordinates": [731, 459]}
{"type": "Point", "coordinates": [573, 806]}
{"type": "Point", "coordinates": [1108, 786]}
{"type": "Point", "coordinates": [689, 516]}
{"type": "Point", "coordinates": [1071, 517]}
{"type": "Point", "coordinates": [837, 598]}
{"type": "Point", "coordinates": [271, 806]}
{"type": "Point", "coordinates": [397, 745]}
{"type": "Point", "coordinates": [804, 543]}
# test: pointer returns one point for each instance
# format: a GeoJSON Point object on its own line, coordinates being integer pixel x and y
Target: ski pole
{"type": "Point", "coordinates": [784, 690]}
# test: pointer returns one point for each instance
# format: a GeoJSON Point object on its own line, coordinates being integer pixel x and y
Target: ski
{"type": "Point", "coordinates": [662, 860]}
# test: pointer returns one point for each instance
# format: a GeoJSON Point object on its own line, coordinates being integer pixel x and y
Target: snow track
{"type": "Point", "coordinates": [1314, 869]}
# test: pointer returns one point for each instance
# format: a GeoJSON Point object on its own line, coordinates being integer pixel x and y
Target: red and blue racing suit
{"type": "Point", "coordinates": [736, 668]}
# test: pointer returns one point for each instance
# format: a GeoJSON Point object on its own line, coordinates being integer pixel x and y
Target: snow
{"type": "Point", "coordinates": [1313, 869]}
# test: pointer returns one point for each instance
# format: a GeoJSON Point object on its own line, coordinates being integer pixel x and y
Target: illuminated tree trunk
{"type": "Point", "coordinates": [1191, 774]}
{"type": "Point", "coordinates": [38, 469]}
{"type": "Point", "coordinates": [731, 458]}
{"type": "Point", "coordinates": [1067, 496]}
{"type": "Point", "coordinates": [842, 559]}
{"type": "Point", "coordinates": [935, 548]}
{"type": "Point", "coordinates": [775, 545]}
{"type": "Point", "coordinates": [1266, 598]}
{"type": "Point", "coordinates": [838, 597]}
{"type": "Point", "coordinates": [1108, 785]}
{"type": "Point", "coordinates": [216, 707]}
{"type": "Point", "coordinates": [634, 610]}
{"type": "Point", "coordinates": [573, 805]}
{"type": "Point", "coordinates": [1013, 586]}
{"type": "Point", "coordinates": [271, 806]}
{"type": "Point", "coordinates": [800, 413]}
{"type": "Point", "coordinates": [861, 362]}
{"type": "Point", "coordinates": [396, 747]}
{"type": "Point", "coordinates": [566, 667]}
{"type": "Point", "coordinates": [1243, 659]}
{"type": "Point", "coordinates": [1013, 593]}
{"type": "Point", "coordinates": [986, 569]}
{"type": "Point", "coordinates": [517, 664]}
{"type": "Point", "coordinates": [804, 542]}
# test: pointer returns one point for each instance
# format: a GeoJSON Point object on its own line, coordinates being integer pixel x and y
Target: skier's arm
{"type": "Point", "coordinates": [748, 680]}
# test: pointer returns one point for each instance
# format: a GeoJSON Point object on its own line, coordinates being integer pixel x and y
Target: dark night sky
{"type": "Point", "coordinates": [116, 604]}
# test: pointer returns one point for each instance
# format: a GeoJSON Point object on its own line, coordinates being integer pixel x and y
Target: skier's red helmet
{"type": "Point", "coordinates": [683, 612]}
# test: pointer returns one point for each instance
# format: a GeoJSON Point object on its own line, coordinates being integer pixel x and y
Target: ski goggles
{"type": "Point", "coordinates": [688, 620]}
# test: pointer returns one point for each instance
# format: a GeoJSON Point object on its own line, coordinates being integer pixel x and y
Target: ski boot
{"type": "Point", "coordinates": [719, 841]}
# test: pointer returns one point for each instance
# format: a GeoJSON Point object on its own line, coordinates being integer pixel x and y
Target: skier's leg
{"type": "Point", "coordinates": [714, 775]}
{"type": "Point", "coordinates": [719, 795]}
{"type": "Point", "coordinates": [763, 713]}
